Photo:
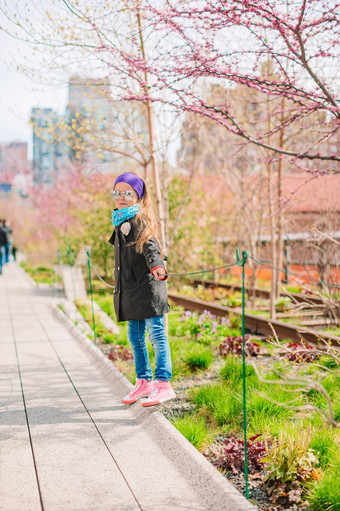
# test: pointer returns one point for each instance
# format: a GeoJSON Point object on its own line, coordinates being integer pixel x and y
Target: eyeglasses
{"type": "Point", "coordinates": [127, 194]}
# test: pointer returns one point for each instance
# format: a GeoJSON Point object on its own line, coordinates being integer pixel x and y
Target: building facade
{"type": "Point", "coordinates": [13, 164]}
{"type": "Point", "coordinates": [47, 146]}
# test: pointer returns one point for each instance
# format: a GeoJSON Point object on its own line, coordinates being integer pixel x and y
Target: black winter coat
{"type": "Point", "coordinates": [3, 237]}
{"type": "Point", "coordinates": [137, 294]}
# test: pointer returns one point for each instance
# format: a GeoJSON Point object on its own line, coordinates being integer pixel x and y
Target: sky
{"type": "Point", "coordinates": [19, 94]}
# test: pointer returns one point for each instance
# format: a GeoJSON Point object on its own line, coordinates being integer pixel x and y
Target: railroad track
{"type": "Point", "coordinates": [257, 324]}
{"type": "Point", "coordinates": [259, 293]}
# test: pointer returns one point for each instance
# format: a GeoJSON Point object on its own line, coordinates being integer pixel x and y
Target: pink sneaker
{"type": "Point", "coordinates": [142, 389]}
{"type": "Point", "coordinates": [162, 391]}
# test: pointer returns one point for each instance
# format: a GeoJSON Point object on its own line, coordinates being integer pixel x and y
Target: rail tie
{"type": "Point", "coordinates": [258, 324]}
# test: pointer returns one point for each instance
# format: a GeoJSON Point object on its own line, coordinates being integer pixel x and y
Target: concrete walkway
{"type": "Point", "coordinates": [67, 442]}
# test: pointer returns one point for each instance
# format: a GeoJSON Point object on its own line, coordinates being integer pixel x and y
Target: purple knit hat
{"type": "Point", "coordinates": [131, 179]}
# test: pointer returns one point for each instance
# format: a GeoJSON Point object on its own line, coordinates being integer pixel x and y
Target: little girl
{"type": "Point", "coordinates": [140, 295]}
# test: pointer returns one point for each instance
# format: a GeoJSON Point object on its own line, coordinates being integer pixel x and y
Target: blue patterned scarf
{"type": "Point", "coordinates": [121, 215]}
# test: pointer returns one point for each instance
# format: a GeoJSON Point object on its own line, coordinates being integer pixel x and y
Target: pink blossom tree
{"type": "Point", "coordinates": [280, 50]}
{"type": "Point", "coordinates": [171, 53]}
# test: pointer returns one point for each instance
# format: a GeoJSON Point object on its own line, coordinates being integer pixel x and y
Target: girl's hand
{"type": "Point", "coordinates": [159, 273]}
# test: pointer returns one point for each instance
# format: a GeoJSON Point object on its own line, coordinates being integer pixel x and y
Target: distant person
{"type": "Point", "coordinates": [140, 295]}
{"type": "Point", "coordinates": [3, 241]}
{"type": "Point", "coordinates": [14, 252]}
{"type": "Point", "coordinates": [7, 248]}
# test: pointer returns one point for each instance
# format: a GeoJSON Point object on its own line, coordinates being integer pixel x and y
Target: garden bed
{"type": "Point", "coordinates": [40, 274]}
{"type": "Point", "coordinates": [208, 410]}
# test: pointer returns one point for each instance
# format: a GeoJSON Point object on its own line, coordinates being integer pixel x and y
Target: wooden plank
{"type": "Point", "coordinates": [256, 324]}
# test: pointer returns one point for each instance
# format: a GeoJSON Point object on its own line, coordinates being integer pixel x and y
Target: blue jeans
{"type": "Point", "coordinates": [7, 249]}
{"type": "Point", "coordinates": [159, 341]}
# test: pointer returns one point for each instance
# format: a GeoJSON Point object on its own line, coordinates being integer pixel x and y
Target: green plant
{"type": "Point", "coordinates": [105, 303]}
{"type": "Point", "coordinates": [194, 429]}
{"type": "Point", "coordinates": [40, 274]}
{"type": "Point", "coordinates": [324, 442]}
{"type": "Point", "coordinates": [42, 269]}
{"type": "Point", "coordinates": [233, 457]}
{"type": "Point", "coordinates": [283, 304]}
{"type": "Point", "coordinates": [235, 321]}
{"type": "Point", "coordinates": [120, 352]}
{"type": "Point", "coordinates": [234, 344]}
{"type": "Point", "coordinates": [264, 411]}
{"type": "Point", "coordinates": [325, 494]}
{"type": "Point", "coordinates": [328, 362]}
{"type": "Point", "coordinates": [198, 358]}
{"type": "Point", "coordinates": [292, 289]}
{"type": "Point", "coordinates": [109, 338]}
{"type": "Point", "coordinates": [290, 464]}
{"type": "Point", "coordinates": [300, 353]}
{"type": "Point", "coordinates": [233, 300]}
{"type": "Point", "coordinates": [232, 371]}
{"type": "Point", "coordinates": [201, 326]}
{"type": "Point", "coordinates": [217, 402]}
{"type": "Point", "coordinates": [317, 384]}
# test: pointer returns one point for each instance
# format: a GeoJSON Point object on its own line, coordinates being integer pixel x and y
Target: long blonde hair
{"type": "Point", "coordinates": [146, 220]}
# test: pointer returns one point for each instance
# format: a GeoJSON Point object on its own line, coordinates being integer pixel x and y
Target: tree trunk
{"type": "Point", "coordinates": [157, 194]}
{"type": "Point", "coordinates": [280, 219]}
{"type": "Point", "coordinates": [272, 221]}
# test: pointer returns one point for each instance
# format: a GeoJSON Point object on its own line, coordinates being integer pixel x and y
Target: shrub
{"type": "Point", "coordinates": [120, 352]}
{"type": "Point", "coordinates": [290, 464]}
{"type": "Point", "coordinates": [234, 345]}
{"type": "Point", "coordinates": [235, 321]}
{"type": "Point", "coordinates": [203, 327]}
{"type": "Point", "coordinates": [233, 457]}
{"type": "Point", "coordinates": [232, 301]}
{"type": "Point", "coordinates": [301, 352]}
{"type": "Point", "coordinates": [283, 304]}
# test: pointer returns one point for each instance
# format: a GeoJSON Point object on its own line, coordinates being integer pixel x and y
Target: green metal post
{"type": "Point", "coordinates": [59, 278]}
{"type": "Point", "coordinates": [71, 268]}
{"type": "Point", "coordinates": [242, 264]}
{"type": "Point", "coordinates": [90, 281]}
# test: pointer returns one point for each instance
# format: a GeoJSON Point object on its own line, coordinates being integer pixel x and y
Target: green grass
{"type": "Point", "coordinates": [232, 372]}
{"type": "Point", "coordinates": [324, 442]}
{"type": "Point", "coordinates": [178, 349]}
{"type": "Point", "coordinates": [198, 357]}
{"type": "Point", "coordinates": [264, 314]}
{"type": "Point", "coordinates": [109, 338]}
{"type": "Point", "coordinates": [325, 495]}
{"type": "Point", "coordinates": [194, 429]}
{"type": "Point", "coordinates": [332, 330]}
{"type": "Point", "coordinates": [40, 274]}
{"type": "Point", "coordinates": [218, 402]}
{"type": "Point", "coordinates": [265, 415]}
{"type": "Point", "coordinates": [292, 289]}
{"type": "Point", "coordinates": [106, 304]}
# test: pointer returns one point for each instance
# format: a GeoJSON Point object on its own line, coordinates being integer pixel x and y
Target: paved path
{"type": "Point", "coordinates": [67, 442]}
